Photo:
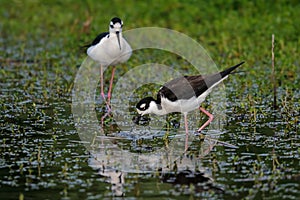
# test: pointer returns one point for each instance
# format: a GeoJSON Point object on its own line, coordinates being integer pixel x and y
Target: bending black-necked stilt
{"type": "Point", "coordinates": [183, 94]}
{"type": "Point", "coordinates": [109, 49]}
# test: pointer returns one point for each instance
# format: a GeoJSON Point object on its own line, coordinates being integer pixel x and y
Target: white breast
{"type": "Point", "coordinates": [107, 51]}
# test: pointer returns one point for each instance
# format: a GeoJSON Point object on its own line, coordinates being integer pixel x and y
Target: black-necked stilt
{"type": "Point", "coordinates": [183, 94]}
{"type": "Point", "coordinates": [109, 49]}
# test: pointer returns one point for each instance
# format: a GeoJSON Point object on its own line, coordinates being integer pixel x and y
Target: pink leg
{"type": "Point", "coordinates": [108, 96]}
{"type": "Point", "coordinates": [110, 85]}
{"type": "Point", "coordinates": [210, 118]}
{"type": "Point", "coordinates": [186, 131]}
{"type": "Point", "coordinates": [102, 93]}
{"type": "Point", "coordinates": [102, 119]}
{"type": "Point", "coordinates": [101, 83]}
{"type": "Point", "coordinates": [106, 114]}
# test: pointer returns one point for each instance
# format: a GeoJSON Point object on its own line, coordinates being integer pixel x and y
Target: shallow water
{"type": "Point", "coordinates": [43, 157]}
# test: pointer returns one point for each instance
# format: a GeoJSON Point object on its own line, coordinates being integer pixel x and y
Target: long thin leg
{"type": "Point", "coordinates": [186, 131]}
{"type": "Point", "coordinates": [108, 96]}
{"type": "Point", "coordinates": [103, 95]}
{"type": "Point", "coordinates": [110, 85]}
{"type": "Point", "coordinates": [101, 83]}
{"type": "Point", "coordinates": [210, 118]}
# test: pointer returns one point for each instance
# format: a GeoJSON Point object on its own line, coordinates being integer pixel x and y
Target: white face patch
{"type": "Point", "coordinates": [143, 105]}
{"type": "Point", "coordinates": [117, 25]}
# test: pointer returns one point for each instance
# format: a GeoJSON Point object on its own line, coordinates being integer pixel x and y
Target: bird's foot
{"type": "Point", "coordinates": [108, 108]}
{"type": "Point", "coordinates": [108, 113]}
{"type": "Point", "coordinates": [103, 118]}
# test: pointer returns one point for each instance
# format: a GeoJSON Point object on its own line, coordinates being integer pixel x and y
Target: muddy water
{"type": "Point", "coordinates": [44, 157]}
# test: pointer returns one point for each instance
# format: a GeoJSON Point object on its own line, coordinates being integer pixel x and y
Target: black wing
{"type": "Point", "coordinates": [183, 88]}
{"type": "Point", "coordinates": [96, 40]}
{"type": "Point", "coordinates": [188, 86]}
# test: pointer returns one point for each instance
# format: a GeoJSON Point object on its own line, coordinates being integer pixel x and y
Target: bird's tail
{"type": "Point", "coordinates": [229, 70]}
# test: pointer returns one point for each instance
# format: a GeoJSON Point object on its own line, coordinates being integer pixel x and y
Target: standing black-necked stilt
{"type": "Point", "coordinates": [109, 49]}
{"type": "Point", "coordinates": [183, 94]}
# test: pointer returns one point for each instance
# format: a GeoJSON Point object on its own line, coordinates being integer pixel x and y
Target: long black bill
{"type": "Point", "coordinates": [141, 120]}
{"type": "Point", "coordinates": [118, 36]}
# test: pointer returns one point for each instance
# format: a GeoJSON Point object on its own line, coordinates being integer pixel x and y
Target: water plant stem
{"type": "Point", "coordinates": [273, 73]}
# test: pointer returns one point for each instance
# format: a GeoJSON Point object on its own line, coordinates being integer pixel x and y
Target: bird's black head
{"type": "Point", "coordinates": [114, 21]}
{"type": "Point", "coordinates": [115, 27]}
{"type": "Point", "coordinates": [143, 106]}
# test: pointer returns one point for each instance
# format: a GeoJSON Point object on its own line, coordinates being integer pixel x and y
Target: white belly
{"type": "Point", "coordinates": [107, 51]}
{"type": "Point", "coordinates": [183, 106]}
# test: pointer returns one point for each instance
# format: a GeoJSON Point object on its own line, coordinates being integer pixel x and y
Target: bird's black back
{"type": "Point", "coordinates": [96, 40]}
{"type": "Point", "coordinates": [186, 87]}
{"type": "Point", "coordinates": [183, 88]}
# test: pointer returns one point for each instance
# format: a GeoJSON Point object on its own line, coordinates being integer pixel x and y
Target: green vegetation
{"type": "Point", "coordinates": [39, 58]}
